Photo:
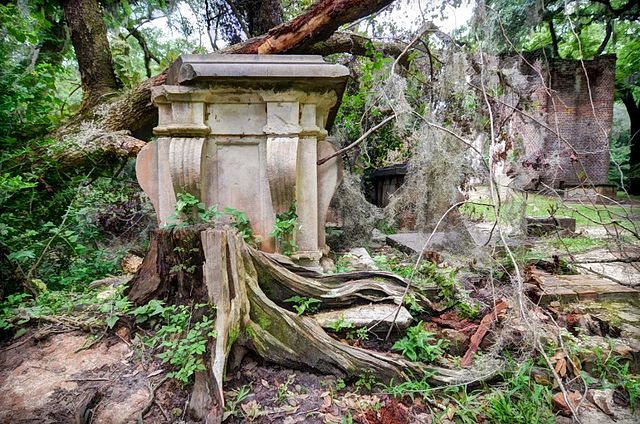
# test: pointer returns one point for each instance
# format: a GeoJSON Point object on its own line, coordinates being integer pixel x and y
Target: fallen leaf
{"type": "Point", "coordinates": [561, 405]}
{"type": "Point", "coordinates": [451, 411]}
{"type": "Point", "coordinates": [561, 367]}
{"type": "Point", "coordinates": [326, 403]}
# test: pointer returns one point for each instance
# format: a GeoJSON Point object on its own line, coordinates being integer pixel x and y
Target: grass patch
{"type": "Point", "coordinates": [578, 244]}
{"type": "Point", "coordinates": [535, 205]}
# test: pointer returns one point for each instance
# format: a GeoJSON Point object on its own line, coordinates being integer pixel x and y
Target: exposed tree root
{"type": "Point", "coordinates": [248, 287]}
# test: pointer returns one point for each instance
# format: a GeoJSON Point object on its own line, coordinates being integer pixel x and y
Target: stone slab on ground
{"type": "Point", "coordinates": [571, 288]}
{"type": "Point", "coordinates": [55, 374]}
{"type": "Point", "coordinates": [626, 273]}
{"type": "Point", "coordinates": [411, 243]}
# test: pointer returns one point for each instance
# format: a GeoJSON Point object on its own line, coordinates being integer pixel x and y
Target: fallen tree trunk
{"type": "Point", "coordinates": [215, 266]}
{"type": "Point", "coordinates": [316, 24]}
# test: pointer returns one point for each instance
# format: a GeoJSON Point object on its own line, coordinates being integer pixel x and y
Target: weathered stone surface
{"type": "Point", "coordinates": [569, 288]}
{"type": "Point", "coordinates": [626, 273]}
{"type": "Point", "coordinates": [562, 406]}
{"type": "Point", "coordinates": [329, 177]}
{"type": "Point", "coordinates": [378, 238]}
{"type": "Point", "coordinates": [111, 281]}
{"type": "Point", "coordinates": [600, 407]}
{"type": "Point", "coordinates": [245, 132]}
{"type": "Point", "coordinates": [381, 315]}
{"type": "Point", "coordinates": [412, 243]}
{"type": "Point", "coordinates": [359, 259]}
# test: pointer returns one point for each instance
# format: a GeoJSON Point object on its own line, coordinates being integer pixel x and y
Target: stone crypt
{"type": "Point", "coordinates": [246, 132]}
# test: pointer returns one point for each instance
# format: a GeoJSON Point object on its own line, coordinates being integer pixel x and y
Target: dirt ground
{"type": "Point", "coordinates": [54, 381]}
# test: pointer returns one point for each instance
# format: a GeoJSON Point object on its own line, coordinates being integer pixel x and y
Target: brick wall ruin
{"type": "Point", "coordinates": [577, 111]}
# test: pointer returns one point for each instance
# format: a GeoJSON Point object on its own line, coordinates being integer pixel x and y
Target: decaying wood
{"type": "Point", "coordinates": [499, 310]}
{"type": "Point", "coordinates": [216, 266]}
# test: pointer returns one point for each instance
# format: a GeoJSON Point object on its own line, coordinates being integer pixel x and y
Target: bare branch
{"type": "Point", "coordinates": [363, 137]}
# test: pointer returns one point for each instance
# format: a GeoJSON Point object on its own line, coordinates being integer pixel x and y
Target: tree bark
{"type": "Point", "coordinates": [554, 38]}
{"type": "Point", "coordinates": [347, 42]}
{"type": "Point", "coordinates": [89, 38]}
{"type": "Point", "coordinates": [268, 14]}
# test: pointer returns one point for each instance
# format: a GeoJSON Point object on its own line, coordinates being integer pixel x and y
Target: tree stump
{"type": "Point", "coordinates": [248, 288]}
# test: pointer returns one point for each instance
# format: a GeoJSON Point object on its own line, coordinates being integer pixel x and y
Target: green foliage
{"type": "Point", "coordinates": [426, 274]}
{"type": "Point", "coordinates": [191, 211]}
{"type": "Point", "coordinates": [283, 393]}
{"type": "Point", "coordinates": [8, 308]}
{"type": "Point", "coordinates": [343, 264]}
{"type": "Point", "coordinates": [386, 228]}
{"type": "Point", "coordinates": [613, 371]}
{"type": "Point", "coordinates": [468, 309]}
{"type": "Point", "coordinates": [240, 222]}
{"type": "Point", "coordinates": [340, 325]}
{"type": "Point", "coordinates": [284, 229]}
{"type": "Point", "coordinates": [359, 111]}
{"type": "Point", "coordinates": [521, 399]}
{"type": "Point", "coordinates": [31, 99]}
{"type": "Point", "coordinates": [97, 311]}
{"type": "Point", "coordinates": [55, 222]}
{"type": "Point", "coordinates": [420, 345]}
{"type": "Point", "coordinates": [366, 381]}
{"type": "Point", "coordinates": [233, 399]}
{"type": "Point", "coordinates": [409, 388]}
{"type": "Point", "coordinates": [182, 342]}
{"type": "Point", "coordinates": [361, 333]}
{"type": "Point", "coordinates": [410, 301]}
{"type": "Point", "coordinates": [304, 304]}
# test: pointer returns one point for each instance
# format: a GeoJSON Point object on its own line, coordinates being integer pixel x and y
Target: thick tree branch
{"type": "Point", "coordinates": [89, 38]}
{"type": "Point", "coordinates": [606, 39]}
{"type": "Point", "coordinates": [554, 38]}
{"type": "Point", "coordinates": [315, 25]}
{"type": "Point", "coordinates": [148, 54]}
{"type": "Point", "coordinates": [348, 42]}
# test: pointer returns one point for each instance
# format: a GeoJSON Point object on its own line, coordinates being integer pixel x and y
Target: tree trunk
{"type": "Point", "coordinates": [633, 109]}
{"type": "Point", "coordinates": [215, 266]}
{"type": "Point", "coordinates": [267, 15]}
{"type": "Point", "coordinates": [89, 38]}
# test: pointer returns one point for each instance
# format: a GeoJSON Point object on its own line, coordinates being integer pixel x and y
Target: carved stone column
{"type": "Point", "coordinates": [307, 184]}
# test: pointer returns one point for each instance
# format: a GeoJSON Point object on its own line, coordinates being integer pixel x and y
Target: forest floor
{"type": "Point", "coordinates": [53, 371]}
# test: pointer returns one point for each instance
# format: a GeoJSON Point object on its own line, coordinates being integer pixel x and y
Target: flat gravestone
{"type": "Point", "coordinates": [572, 288]}
{"type": "Point", "coordinates": [412, 243]}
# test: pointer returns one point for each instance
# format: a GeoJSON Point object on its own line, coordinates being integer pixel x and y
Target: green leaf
{"type": "Point", "coordinates": [111, 321]}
